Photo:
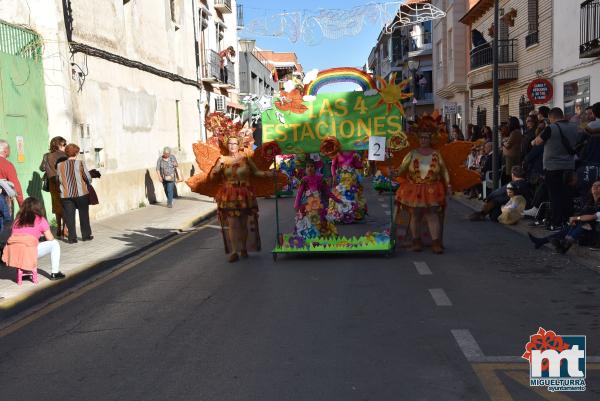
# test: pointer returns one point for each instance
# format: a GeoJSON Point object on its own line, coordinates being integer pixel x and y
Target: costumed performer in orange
{"type": "Point", "coordinates": [232, 179]}
{"type": "Point", "coordinates": [425, 189]}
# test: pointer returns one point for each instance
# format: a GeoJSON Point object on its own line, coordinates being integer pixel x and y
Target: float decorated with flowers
{"type": "Point", "coordinates": [336, 127]}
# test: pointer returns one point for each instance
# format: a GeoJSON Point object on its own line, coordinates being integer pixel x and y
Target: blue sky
{"type": "Point", "coordinates": [350, 51]}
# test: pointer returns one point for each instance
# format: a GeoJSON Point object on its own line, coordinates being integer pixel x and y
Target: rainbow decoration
{"type": "Point", "coordinates": [337, 75]}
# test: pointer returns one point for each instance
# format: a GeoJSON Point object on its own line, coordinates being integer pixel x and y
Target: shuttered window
{"type": "Point", "coordinates": [532, 16]}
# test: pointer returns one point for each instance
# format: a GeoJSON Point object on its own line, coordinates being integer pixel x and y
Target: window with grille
{"type": "Point", "coordinates": [532, 16]}
{"type": "Point", "coordinates": [525, 107]}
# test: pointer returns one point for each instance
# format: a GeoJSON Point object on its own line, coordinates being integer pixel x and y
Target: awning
{"type": "Point", "coordinates": [236, 105]}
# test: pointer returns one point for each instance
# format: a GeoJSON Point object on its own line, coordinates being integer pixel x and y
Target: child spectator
{"type": "Point", "coordinates": [29, 226]}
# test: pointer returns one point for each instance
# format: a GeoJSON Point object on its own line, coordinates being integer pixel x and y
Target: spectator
{"type": "Point", "coordinates": [530, 134]}
{"type": "Point", "coordinates": [225, 60]}
{"type": "Point", "coordinates": [591, 154]}
{"type": "Point", "coordinates": [476, 134]}
{"type": "Point", "coordinates": [593, 127]}
{"type": "Point", "coordinates": [543, 113]}
{"type": "Point", "coordinates": [9, 173]}
{"type": "Point", "coordinates": [589, 114]}
{"type": "Point", "coordinates": [488, 134]}
{"type": "Point", "coordinates": [470, 132]}
{"type": "Point", "coordinates": [534, 171]}
{"type": "Point", "coordinates": [511, 146]}
{"type": "Point", "coordinates": [5, 222]}
{"type": "Point", "coordinates": [50, 160]}
{"type": "Point", "coordinates": [581, 226]}
{"type": "Point", "coordinates": [576, 117]}
{"type": "Point", "coordinates": [73, 179]}
{"type": "Point", "coordinates": [29, 226]}
{"type": "Point", "coordinates": [456, 134]}
{"type": "Point", "coordinates": [512, 210]}
{"type": "Point", "coordinates": [559, 140]}
{"type": "Point", "coordinates": [499, 197]}
{"type": "Point", "coordinates": [166, 168]}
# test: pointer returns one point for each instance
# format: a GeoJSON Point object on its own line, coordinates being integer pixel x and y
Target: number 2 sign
{"type": "Point", "coordinates": [377, 148]}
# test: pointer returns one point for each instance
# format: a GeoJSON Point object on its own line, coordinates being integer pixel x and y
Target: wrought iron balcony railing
{"type": "Point", "coordinates": [483, 55]}
{"type": "Point", "coordinates": [589, 25]}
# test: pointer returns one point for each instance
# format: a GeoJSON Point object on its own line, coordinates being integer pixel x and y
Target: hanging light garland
{"type": "Point", "coordinates": [314, 26]}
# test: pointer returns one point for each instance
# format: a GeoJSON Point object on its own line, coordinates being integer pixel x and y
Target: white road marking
{"type": "Point", "coordinates": [385, 205]}
{"type": "Point", "coordinates": [387, 212]}
{"type": "Point", "coordinates": [439, 297]}
{"type": "Point", "coordinates": [473, 353]}
{"type": "Point", "coordinates": [423, 269]}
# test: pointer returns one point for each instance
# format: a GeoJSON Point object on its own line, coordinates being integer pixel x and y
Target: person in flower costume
{"type": "Point", "coordinates": [311, 206]}
{"type": "Point", "coordinates": [429, 171]}
{"type": "Point", "coordinates": [235, 176]}
{"type": "Point", "coordinates": [346, 168]}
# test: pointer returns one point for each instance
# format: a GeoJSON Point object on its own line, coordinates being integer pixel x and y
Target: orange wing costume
{"type": "Point", "coordinates": [454, 154]}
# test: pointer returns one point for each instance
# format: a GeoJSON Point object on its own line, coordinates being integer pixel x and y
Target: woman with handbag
{"type": "Point", "coordinates": [168, 173]}
{"type": "Point", "coordinates": [74, 180]}
{"type": "Point", "coordinates": [50, 181]}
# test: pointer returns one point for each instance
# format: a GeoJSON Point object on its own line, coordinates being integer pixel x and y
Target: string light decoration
{"type": "Point", "coordinates": [314, 26]}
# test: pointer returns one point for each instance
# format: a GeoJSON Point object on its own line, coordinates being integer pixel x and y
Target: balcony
{"type": "Point", "coordinates": [480, 74]}
{"type": "Point", "coordinates": [224, 6]}
{"type": "Point", "coordinates": [211, 71]}
{"type": "Point", "coordinates": [589, 29]}
{"type": "Point", "coordinates": [420, 45]}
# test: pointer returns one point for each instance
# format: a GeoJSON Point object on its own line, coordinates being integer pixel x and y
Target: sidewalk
{"type": "Point", "coordinates": [114, 238]}
{"type": "Point", "coordinates": [588, 257]}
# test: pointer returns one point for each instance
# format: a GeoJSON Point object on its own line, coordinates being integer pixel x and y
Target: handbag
{"type": "Point", "coordinates": [45, 183]}
{"type": "Point", "coordinates": [93, 196]}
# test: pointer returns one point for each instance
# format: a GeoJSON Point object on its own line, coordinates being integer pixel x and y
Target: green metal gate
{"type": "Point", "coordinates": [23, 113]}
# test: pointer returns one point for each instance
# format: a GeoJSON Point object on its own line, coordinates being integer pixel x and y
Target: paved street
{"type": "Point", "coordinates": [186, 325]}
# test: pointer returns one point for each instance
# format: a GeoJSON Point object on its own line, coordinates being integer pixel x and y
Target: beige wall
{"type": "Point", "coordinates": [530, 60]}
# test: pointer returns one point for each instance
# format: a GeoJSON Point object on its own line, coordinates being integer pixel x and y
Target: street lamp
{"type": "Point", "coordinates": [413, 66]}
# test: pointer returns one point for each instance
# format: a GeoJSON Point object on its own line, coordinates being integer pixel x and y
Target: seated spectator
{"type": "Point", "coordinates": [512, 210]}
{"type": "Point", "coordinates": [581, 226]}
{"type": "Point", "coordinates": [29, 226]}
{"type": "Point", "coordinates": [493, 203]}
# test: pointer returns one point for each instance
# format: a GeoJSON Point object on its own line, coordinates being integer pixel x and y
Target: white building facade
{"type": "Point", "coordinates": [125, 78]}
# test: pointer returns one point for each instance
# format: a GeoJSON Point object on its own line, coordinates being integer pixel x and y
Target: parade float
{"type": "Point", "coordinates": [303, 121]}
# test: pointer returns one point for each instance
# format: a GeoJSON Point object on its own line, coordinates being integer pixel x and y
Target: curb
{"type": "Point", "coordinates": [13, 306]}
{"type": "Point", "coordinates": [581, 260]}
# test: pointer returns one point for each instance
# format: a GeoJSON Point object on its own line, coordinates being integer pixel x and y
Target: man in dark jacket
{"type": "Point", "coordinates": [559, 140]}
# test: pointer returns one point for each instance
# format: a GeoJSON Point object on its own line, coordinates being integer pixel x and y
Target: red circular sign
{"type": "Point", "coordinates": [540, 91]}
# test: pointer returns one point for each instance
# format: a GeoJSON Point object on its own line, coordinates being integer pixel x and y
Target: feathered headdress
{"type": "Point", "coordinates": [223, 128]}
{"type": "Point", "coordinates": [432, 124]}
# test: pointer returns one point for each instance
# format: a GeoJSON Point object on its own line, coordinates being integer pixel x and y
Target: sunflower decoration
{"type": "Point", "coordinates": [207, 154]}
{"type": "Point", "coordinates": [392, 93]}
{"type": "Point", "coordinates": [454, 154]}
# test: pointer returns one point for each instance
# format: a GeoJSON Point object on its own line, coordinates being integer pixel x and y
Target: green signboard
{"type": "Point", "coordinates": [299, 126]}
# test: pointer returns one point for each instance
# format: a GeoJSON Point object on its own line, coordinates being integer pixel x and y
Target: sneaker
{"type": "Point", "coordinates": [170, 205]}
{"type": "Point", "coordinates": [561, 246]}
{"type": "Point", "coordinates": [537, 242]}
{"type": "Point", "coordinates": [56, 276]}
{"type": "Point", "coordinates": [536, 223]}
{"type": "Point", "coordinates": [531, 212]}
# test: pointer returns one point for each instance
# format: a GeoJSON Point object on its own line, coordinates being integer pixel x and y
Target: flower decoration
{"type": "Point", "coordinates": [313, 203]}
{"type": "Point", "coordinates": [265, 103]}
{"type": "Point", "coordinates": [330, 147]}
{"type": "Point", "coordinates": [296, 241]}
{"type": "Point", "coordinates": [398, 141]}
{"type": "Point", "coordinates": [291, 101]}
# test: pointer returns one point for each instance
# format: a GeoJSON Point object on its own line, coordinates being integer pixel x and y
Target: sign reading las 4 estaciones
{"type": "Point", "coordinates": [350, 116]}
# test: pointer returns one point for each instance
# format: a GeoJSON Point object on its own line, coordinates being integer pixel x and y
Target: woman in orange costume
{"type": "Point", "coordinates": [236, 202]}
{"type": "Point", "coordinates": [424, 191]}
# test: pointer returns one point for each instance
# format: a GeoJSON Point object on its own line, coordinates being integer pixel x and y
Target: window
{"type": "Point", "coordinates": [220, 31]}
{"type": "Point", "coordinates": [576, 93]}
{"type": "Point", "coordinates": [481, 117]}
{"type": "Point", "coordinates": [532, 16]}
